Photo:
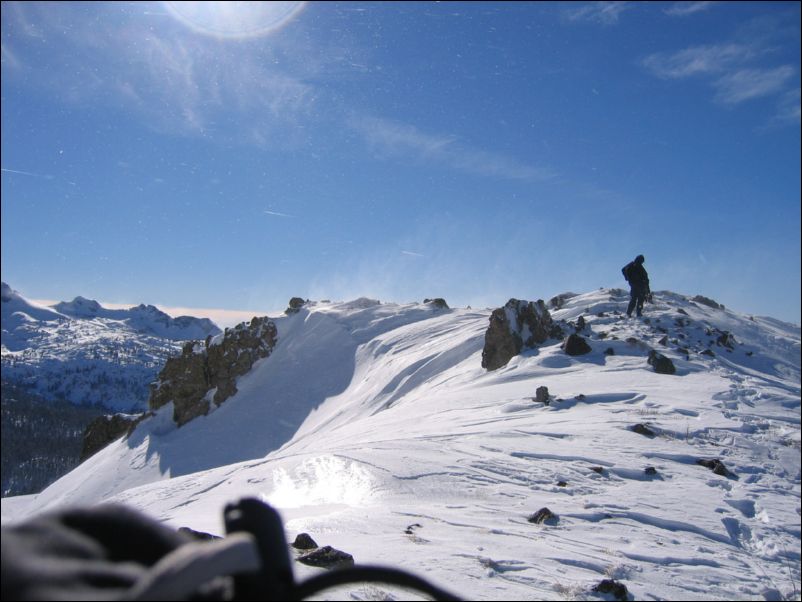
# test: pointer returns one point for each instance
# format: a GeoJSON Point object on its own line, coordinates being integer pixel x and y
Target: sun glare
{"type": "Point", "coordinates": [234, 19]}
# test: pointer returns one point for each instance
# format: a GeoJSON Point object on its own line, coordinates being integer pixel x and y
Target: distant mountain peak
{"type": "Point", "coordinates": [79, 307]}
{"type": "Point", "coordinates": [6, 292]}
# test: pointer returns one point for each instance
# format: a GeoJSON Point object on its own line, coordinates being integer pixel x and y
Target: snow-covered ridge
{"type": "Point", "coordinates": [376, 426]}
{"type": "Point", "coordinates": [86, 353]}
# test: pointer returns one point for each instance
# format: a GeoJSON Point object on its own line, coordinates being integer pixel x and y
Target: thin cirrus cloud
{"type": "Point", "coordinates": [729, 70]}
{"type": "Point", "coordinates": [698, 60]}
{"type": "Point", "coordinates": [605, 13]}
{"type": "Point", "coordinates": [683, 9]}
{"type": "Point", "coordinates": [388, 138]}
{"type": "Point", "coordinates": [746, 84]}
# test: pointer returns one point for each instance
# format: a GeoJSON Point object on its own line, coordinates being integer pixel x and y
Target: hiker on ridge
{"type": "Point", "coordinates": [638, 279]}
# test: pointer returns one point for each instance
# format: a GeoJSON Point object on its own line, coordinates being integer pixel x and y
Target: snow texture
{"type": "Point", "coordinates": [373, 428]}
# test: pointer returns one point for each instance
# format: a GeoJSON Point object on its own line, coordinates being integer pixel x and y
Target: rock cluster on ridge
{"type": "Point", "coordinates": [209, 370]}
{"type": "Point", "coordinates": [514, 327]}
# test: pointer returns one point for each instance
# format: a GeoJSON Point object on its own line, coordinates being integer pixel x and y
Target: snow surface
{"type": "Point", "coordinates": [374, 428]}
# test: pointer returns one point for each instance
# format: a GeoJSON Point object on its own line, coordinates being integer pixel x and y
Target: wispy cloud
{"type": "Point", "coordinates": [605, 13]}
{"type": "Point", "coordinates": [697, 60]}
{"type": "Point", "coordinates": [389, 138]}
{"type": "Point", "coordinates": [277, 213]}
{"type": "Point", "coordinates": [746, 84]}
{"type": "Point", "coordinates": [729, 68]}
{"type": "Point", "coordinates": [788, 109]}
{"type": "Point", "coordinates": [412, 253]}
{"type": "Point", "coordinates": [683, 9]}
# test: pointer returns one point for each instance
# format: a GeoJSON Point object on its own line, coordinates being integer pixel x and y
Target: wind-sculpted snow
{"type": "Point", "coordinates": [374, 428]}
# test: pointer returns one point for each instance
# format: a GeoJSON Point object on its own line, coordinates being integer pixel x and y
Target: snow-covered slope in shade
{"type": "Point", "coordinates": [374, 428]}
{"type": "Point", "coordinates": [87, 354]}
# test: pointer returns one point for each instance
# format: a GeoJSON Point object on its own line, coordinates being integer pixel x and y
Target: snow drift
{"type": "Point", "coordinates": [375, 428]}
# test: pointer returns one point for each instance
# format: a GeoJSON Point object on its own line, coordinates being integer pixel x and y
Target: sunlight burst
{"type": "Point", "coordinates": [234, 19]}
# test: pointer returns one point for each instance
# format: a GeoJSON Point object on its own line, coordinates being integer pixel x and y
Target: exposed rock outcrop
{"type": "Point", "coordinates": [576, 344]}
{"type": "Point", "coordinates": [304, 541]}
{"type": "Point", "coordinates": [613, 588]}
{"type": "Point", "coordinates": [544, 515]}
{"type": "Point", "coordinates": [516, 326]}
{"type": "Point", "coordinates": [295, 305]}
{"type": "Point", "coordinates": [105, 429]}
{"type": "Point", "coordinates": [328, 558]}
{"type": "Point", "coordinates": [437, 302]}
{"type": "Point", "coordinates": [707, 301]}
{"type": "Point", "coordinates": [206, 372]}
{"type": "Point", "coordinates": [660, 363]}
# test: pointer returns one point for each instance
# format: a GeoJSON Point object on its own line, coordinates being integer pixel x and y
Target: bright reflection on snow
{"type": "Point", "coordinates": [234, 19]}
{"type": "Point", "coordinates": [319, 481]}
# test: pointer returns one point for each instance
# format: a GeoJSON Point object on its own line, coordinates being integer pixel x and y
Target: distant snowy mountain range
{"type": "Point", "coordinates": [374, 428]}
{"type": "Point", "coordinates": [83, 352]}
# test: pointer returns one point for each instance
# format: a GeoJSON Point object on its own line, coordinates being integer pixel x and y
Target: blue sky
{"type": "Point", "coordinates": [470, 151]}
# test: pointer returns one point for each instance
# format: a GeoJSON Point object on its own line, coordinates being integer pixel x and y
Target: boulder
{"type": "Point", "coordinates": [304, 541]}
{"type": "Point", "coordinates": [613, 588]}
{"type": "Point", "coordinates": [328, 558]}
{"type": "Point", "coordinates": [716, 465]}
{"type": "Point", "coordinates": [516, 326]}
{"type": "Point", "coordinates": [660, 363]}
{"type": "Point", "coordinates": [437, 302]}
{"type": "Point", "coordinates": [542, 395]}
{"type": "Point", "coordinates": [642, 429]}
{"type": "Point", "coordinates": [576, 344]}
{"type": "Point", "coordinates": [295, 305]}
{"type": "Point", "coordinates": [541, 516]}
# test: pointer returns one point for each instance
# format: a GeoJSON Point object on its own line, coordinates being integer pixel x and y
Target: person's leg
{"type": "Point", "coordinates": [633, 298]}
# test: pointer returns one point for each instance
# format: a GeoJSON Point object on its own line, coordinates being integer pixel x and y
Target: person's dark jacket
{"type": "Point", "coordinates": [636, 275]}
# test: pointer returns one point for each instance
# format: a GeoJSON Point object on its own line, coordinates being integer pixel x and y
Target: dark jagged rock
{"type": "Point", "coordinates": [650, 470]}
{"type": "Point", "coordinates": [541, 516]}
{"type": "Point", "coordinates": [726, 339]}
{"type": "Point", "coordinates": [295, 305]}
{"type": "Point", "coordinates": [708, 352]}
{"type": "Point", "coordinates": [580, 324]}
{"type": "Point", "coordinates": [707, 301]}
{"type": "Point", "coordinates": [660, 363]}
{"type": "Point", "coordinates": [542, 395]}
{"type": "Point", "coordinates": [304, 541]}
{"type": "Point", "coordinates": [105, 429]}
{"type": "Point", "coordinates": [609, 351]}
{"type": "Point", "coordinates": [614, 588]}
{"type": "Point", "coordinates": [642, 429]}
{"type": "Point", "coordinates": [717, 466]}
{"type": "Point", "coordinates": [437, 302]}
{"type": "Point", "coordinates": [516, 326]}
{"type": "Point", "coordinates": [187, 380]}
{"type": "Point", "coordinates": [576, 345]}
{"type": "Point", "coordinates": [597, 469]}
{"type": "Point", "coordinates": [328, 558]}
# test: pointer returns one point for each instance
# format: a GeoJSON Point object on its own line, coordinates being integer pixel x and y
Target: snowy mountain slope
{"type": "Point", "coordinates": [374, 428]}
{"type": "Point", "coordinates": [88, 354]}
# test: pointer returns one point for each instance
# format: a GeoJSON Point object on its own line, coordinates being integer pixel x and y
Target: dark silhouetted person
{"type": "Point", "coordinates": [638, 280]}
